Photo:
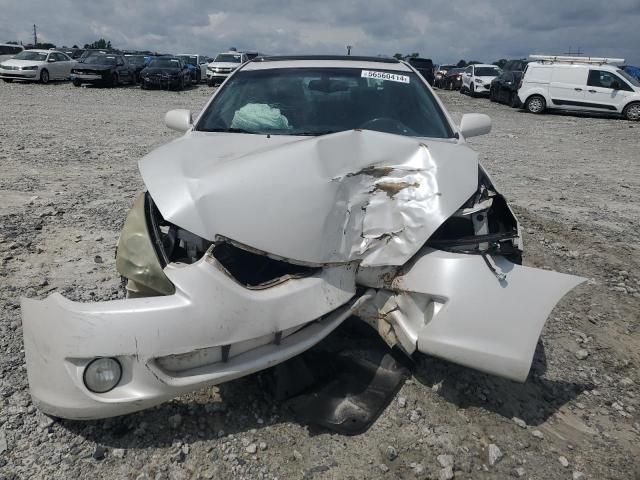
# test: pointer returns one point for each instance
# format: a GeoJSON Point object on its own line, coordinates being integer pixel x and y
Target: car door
{"type": "Point", "coordinates": [64, 64]}
{"type": "Point", "coordinates": [466, 77]}
{"type": "Point", "coordinates": [123, 70]}
{"type": "Point", "coordinates": [568, 85]}
{"type": "Point", "coordinates": [53, 66]}
{"type": "Point", "coordinates": [606, 91]}
{"type": "Point", "coordinates": [507, 86]}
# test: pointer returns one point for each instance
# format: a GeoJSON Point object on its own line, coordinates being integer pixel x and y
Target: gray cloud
{"type": "Point", "coordinates": [444, 31]}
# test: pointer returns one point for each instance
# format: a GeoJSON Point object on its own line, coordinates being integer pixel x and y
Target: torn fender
{"type": "Point", "coordinates": [353, 195]}
{"type": "Point", "coordinates": [454, 307]}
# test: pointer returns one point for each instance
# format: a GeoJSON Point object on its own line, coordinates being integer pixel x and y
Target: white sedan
{"type": "Point", "coordinates": [309, 189]}
{"type": "Point", "coordinates": [37, 65]}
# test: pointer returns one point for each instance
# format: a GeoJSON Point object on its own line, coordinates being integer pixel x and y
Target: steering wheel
{"type": "Point", "coordinates": [387, 125]}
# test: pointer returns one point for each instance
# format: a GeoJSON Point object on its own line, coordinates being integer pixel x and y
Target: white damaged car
{"type": "Point", "coordinates": [308, 190]}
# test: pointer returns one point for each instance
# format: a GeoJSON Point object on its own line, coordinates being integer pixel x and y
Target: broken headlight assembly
{"type": "Point", "coordinates": [484, 225]}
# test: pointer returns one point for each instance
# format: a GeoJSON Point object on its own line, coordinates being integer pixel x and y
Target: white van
{"type": "Point", "coordinates": [581, 84]}
{"type": "Point", "coordinates": [9, 50]}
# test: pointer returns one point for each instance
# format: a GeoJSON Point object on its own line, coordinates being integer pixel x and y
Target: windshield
{"type": "Point", "coordinates": [189, 59]}
{"type": "Point", "coordinates": [165, 63]}
{"type": "Point", "coordinates": [486, 72]}
{"type": "Point", "coordinates": [228, 58]}
{"type": "Point", "coordinates": [316, 101]}
{"type": "Point", "coordinates": [100, 60]}
{"type": "Point", "coordinates": [632, 80]}
{"type": "Point", "coordinates": [27, 55]}
{"type": "Point", "coordinates": [135, 59]}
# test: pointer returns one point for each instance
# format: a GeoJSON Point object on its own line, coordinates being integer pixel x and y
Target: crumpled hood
{"type": "Point", "coordinates": [353, 195]}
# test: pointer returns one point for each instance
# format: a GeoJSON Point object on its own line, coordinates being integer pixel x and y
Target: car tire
{"type": "Point", "coordinates": [535, 104]}
{"type": "Point", "coordinates": [492, 95]}
{"type": "Point", "coordinates": [461, 89]}
{"type": "Point", "coordinates": [114, 80]}
{"type": "Point", "coordinates": [632, 112]}
{"type": "Point", "coordinates": [76, 82]}
{"type": "Point", "coordinates": [44, 76]}
{"type": "Point", "coordinates": [472, 91]}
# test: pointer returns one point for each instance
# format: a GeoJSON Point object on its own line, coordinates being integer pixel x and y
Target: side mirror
{"type": "Point", "coordinates": [475, 124]}
{"type": "Point", "coordinates": [179, 120]}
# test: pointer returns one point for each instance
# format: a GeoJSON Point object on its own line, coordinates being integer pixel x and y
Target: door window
{"type": "Point", "coordinates": [604, 79]}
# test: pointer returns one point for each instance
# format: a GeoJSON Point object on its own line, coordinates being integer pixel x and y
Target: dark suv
{"type": "Point", "coordinates": [424, 66]}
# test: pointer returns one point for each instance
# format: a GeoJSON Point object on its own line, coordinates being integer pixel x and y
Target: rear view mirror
{"type": "Point", "coordinates": [179, 120]}
{"type": "Point", "coordinates": [475, 124]}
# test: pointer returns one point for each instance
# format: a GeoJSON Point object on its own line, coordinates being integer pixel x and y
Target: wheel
{"type": "Point", "coordinates": [535, 104]}
{"type": "Point", "coordinates": [632, 112]}
{"type": "Point", "coordinates": [461, 88]}
{"type": "Point", "coordinates": [492, 95]}
{"type": "Point", "coordinates": [198, 76]}
{"type": "Point", "coordinates": [44, 76]}
{"type": "Point", "coordinates": [472, 91]}
{"type": "Point", "coordinates": [7, 80]}
{"type": "Point", "coordinates": [76, 82]}
{"type": "Point", "coordinates": [114, 80]}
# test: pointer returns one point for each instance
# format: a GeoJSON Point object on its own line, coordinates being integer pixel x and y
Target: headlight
{"type": "Point", "coordinates": [35, 67]}
{"type": "Point", "coordinates": [102, 375]}
{"type": "Point", "coordinates": [136, 257]}
{"type": "Point", "coordinates": [477, 80]}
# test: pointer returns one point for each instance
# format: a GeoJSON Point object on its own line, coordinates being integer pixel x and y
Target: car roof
{"type": "Point", "coordinates": [39, 50]}
{"type": "Point", "coordinates": [327, 61]}
{"type": "Point", "coordinates": [483, 65]}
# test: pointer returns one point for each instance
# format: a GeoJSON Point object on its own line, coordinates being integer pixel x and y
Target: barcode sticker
{"type": "Point", "coordinates": [392, 77]}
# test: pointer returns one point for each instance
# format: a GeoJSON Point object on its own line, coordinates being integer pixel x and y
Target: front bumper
{"type": "Point", "coordinates": [210, 331]}
{"type": "Point", "coordinates": [19, 74]}
{"type": "Point", "coordinates": [160, 82]}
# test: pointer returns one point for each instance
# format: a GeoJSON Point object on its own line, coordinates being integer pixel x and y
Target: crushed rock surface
{"type": "Point", "coordinates": [68, 178]}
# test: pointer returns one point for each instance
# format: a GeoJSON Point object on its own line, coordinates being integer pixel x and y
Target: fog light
{"type": "Point", "coordinates": [102, 375]}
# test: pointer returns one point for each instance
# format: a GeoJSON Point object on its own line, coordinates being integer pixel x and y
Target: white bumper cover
{"type": "Point", "coordinates": [172, 344]}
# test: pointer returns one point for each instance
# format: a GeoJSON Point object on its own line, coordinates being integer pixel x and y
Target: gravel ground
{"type": "Point", "coordinates": [68, 178]}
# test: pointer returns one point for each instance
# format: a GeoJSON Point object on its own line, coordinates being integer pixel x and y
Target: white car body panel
{"type": "Point", "coordinates": [476, 319]}
{"type": "Point", "coordinates": [209, 309]}
{"type": "Point", "coordinates": [361, 195]}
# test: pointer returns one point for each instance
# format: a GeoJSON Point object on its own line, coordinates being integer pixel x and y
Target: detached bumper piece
{"type": "Point", "coordinates": [210, 331]}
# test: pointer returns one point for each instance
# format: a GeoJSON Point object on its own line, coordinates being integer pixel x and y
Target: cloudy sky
{"type": "Point", "coordinates": [445, 30]}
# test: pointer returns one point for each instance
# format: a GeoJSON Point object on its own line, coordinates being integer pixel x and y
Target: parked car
{"type": "Point", "coordinates": [37, 65]}
{"type": "Point", "coordinates": [223, 65]}
{"type": "Point", "coordinates": [631, 70]}
{"type": "Point", "coordinates": [74, 53]}
{"type": "Point", "coordinates": [252, 55]}
{"type": "Point", "coordinates": [138, 62]}
{"type": "Point", "coordinates": [9, 50]}
{"type": "Point", "coordinates": [197, 64]}
{"type": "Point", "coordinates": [504, 88]}
{"type": "Point", "coordinates": [167, 72]}
{"type": "Point", "coordinates": [452, 79]}
{"type": "Point", "coordinates": [579, 84]}
{"type": "Point", "coordinates": [310, 189]}
{"type": "Point", "coordinates": [103, 69]}
{"type": "Point", "coordinates": [476, 79]}
{"type": "Point", "coordinates": [441, 71]}
{"type": "Point", "coordinates": [425, 67]}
